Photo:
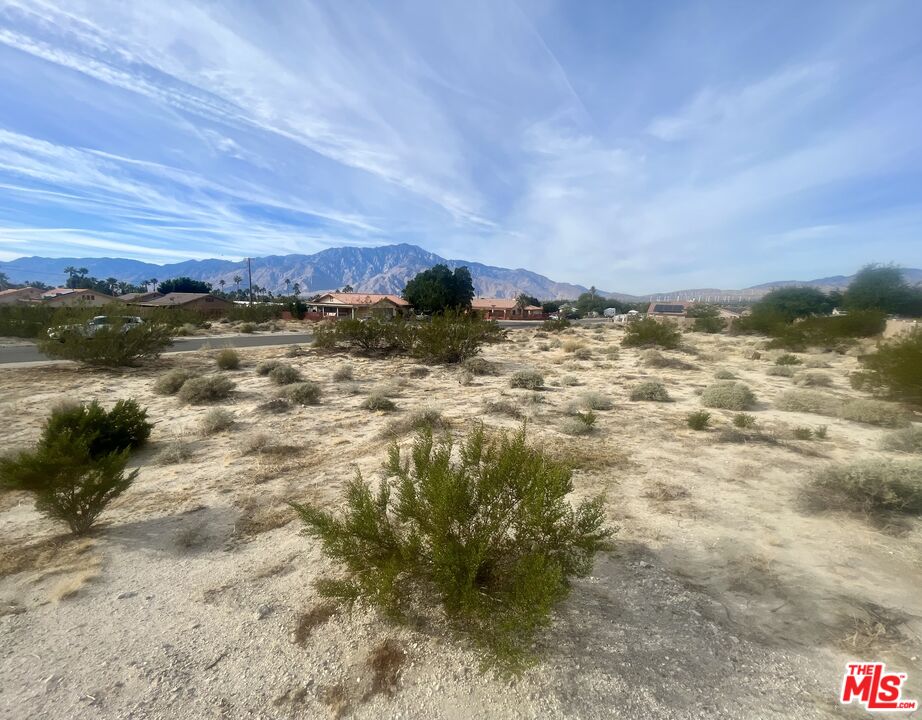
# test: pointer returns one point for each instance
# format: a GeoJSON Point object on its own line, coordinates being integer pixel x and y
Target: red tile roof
{"type": "Point", "coordinates": [498, 304]}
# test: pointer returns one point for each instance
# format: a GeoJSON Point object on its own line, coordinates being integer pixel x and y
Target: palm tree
{"type": "Point", "coordinates": [238, 279]}
{"type": "Point", "coordinates": [152, 281]}
{"type": "Point", "coordinates": [4, 281]}
{"type": "Point", "coordinates": [113, 284]}
{"type": "Point", "coordinates": [296, 289]}
{"type": "Point", "coordinates": [288, 285]}
{"type": "Point", "coordinates": [222, 282]}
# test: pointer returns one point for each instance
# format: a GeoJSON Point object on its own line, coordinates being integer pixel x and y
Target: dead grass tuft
{"type": "Point", "coordinates": [385, 662]}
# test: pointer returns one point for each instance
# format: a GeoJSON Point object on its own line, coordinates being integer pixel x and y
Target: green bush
{"type": "Point", "coordinates": [647, 332]}
{"type": "Point", "coordinates": [217, 420]}
{"type": "Point", "coordinates": [124, 427]}
{"type": "Point", "coordinates": [421, 420]}
{"type": "Point", "coordinates": [453, 338]}
{"type": "Point", "coordinates": [874, 412]}
{"type": "Point", "coordinates": [248, 328]}
{"type": "Point", "coordinates": [780, 370]}
{"type": "Point", "coordinates": [724, 374]}
{"type": "Point", "coordinates": [379, 403]}
{"type": "Point", "coordinates": [787, 359]}
{"type": "Point", "coordinates": [205, 389]}
{"type": "Point", "coordinates": [744, 420]}
{"type": "Point", "coordinates": [283, 374]}
{"type": "Point", "coordinates": [580, 423]}
{"type": "Point", "coordinates": [870, 486]}
{"type": "Point", "coordinates": [698, 420]}
{"type": "Point", "coordinates": [489, 538]}
{"type": "Point", "coordinates": [707, 318]}
{"type": "Point", "coordinates": [728, 396]}
{"type": "Point", "coordinates": [227, 359]}
{"type": "Point", "coordinates": [527, 379]}
{"type": "Point", "coordinates": [78, 465]}
{"type": "Point", "coordinates": [595, 401]}
{"type": "Point", "coordinates": [169, 383]}
{"type": "Point", "coordinates": [108, 347]}
{"type": "Point", "coordinates": [69, 484]}
{"type": "Point", "coordinates": [653, 391]}
{"type": "Point", "coordinates": [895, 369]}
{"type": "Point", "coordinates": [802, 433]}
{"type": "Point", "coordinates": [908, 440]}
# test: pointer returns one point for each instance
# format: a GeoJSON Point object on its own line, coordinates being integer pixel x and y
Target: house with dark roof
{"type": "Point", "coordinates": [77, 297]}
{"type": "Point", "coordinates": [205, 303]}
{"type": "Point", "coordinates": [20, 295]}
{"type": "Point", "coordinates": [668, 309]}
{"type": "Point", "coordinates": [137, 297]}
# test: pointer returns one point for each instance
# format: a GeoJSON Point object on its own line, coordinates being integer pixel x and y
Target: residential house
{"type": "Point", "coordinates": [77, 297]}
{"type": "Point", "coordinates": [204, 303]}
{"type": "Point", "coordinates": [139, 297]}
{"type": "Point", "coordinates": [20, 295]}
{"type": "Point", "coordinates": [505, 309]}
{"type": "Point", "coordinates": [356, 305]}
{"type": "Point", "coordinates": [668, 309]}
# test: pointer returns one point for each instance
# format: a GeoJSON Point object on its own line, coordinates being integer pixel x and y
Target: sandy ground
{"type": "Point", "coordinates": [723, 598]}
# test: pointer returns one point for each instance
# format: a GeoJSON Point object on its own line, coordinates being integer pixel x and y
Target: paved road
{"type": "Point", "coordinates": [30, 354]}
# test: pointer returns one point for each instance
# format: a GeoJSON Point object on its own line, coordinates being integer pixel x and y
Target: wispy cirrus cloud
{"type": "Point", "coordinates": [596, 144]}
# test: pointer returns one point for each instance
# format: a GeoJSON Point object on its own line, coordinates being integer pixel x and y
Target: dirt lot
{"type": "Point", "coordinates": [726, 596]}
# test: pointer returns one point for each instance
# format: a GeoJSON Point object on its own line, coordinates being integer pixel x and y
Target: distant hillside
{"type": "Point", "coordinates": [380, 269]}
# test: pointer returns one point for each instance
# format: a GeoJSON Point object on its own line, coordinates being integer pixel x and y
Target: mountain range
{"type": "Point", "coordinates": [384, 269]}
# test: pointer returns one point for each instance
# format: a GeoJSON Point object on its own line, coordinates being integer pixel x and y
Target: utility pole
{"type": "Point", "coordinates": [250, 276]}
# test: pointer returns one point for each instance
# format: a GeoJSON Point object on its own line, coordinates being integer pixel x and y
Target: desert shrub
{"type": "Point", "coordinates": [217, 420]}
{"type": "Point", "coordinates": [176, 451]}
{"type": "Point", "coordinates": [583, 353]}
{"type": "Point", "coordinates": [304, 393]}
{"type": "Point", "coordinates": [68, 483]}
{"type": "Point", "coordinates": [377, 402]}
{"type": "Point", "coordinates": [169, 383]}
{"type": "Point", "coordinates": [821, 432]}
{"type": "Point", "coordinates": [109, 346]}
{"type": "Point", "coordinates": [728, 395]}
{"type": "Point", "coordinates": [205, 389]}
{"type": "Point", "coordinates": [813, 379]}
{"type": "Point", "coordinates": [284, 374]}
{"type": "Point", "coordinates": [802, 433]}
{"type": "Point", "coordinates": [256, 443]}
{"type": "Point", "coordinates": [570, 346]}
{"type": "Point", "coordinates": [78, 465]}
{"type": "Point", "coordinates": [780, 370]}
{"type": "Point", "coordinates": [267, 366]}
{"type": "Point", "coordinates": [124, 427]}
{"type": "Point", "coordinates": [656, 359]}
{"type": "Point", "coordinates": [815, 363]}
{"type": "Point", "coordinates": [543, 347]}
{"type": "Point", "coordinates": [871, 486]}
{"type": "Point", "coordinates": [709, 324]}
{"type": "Point", "coordinates": [754, 355]}
{"type": "Point", "coordinates": [489, 538]}
{"type": "Point", "coordinates": [651, 390]}
{"type": "Point", "coordinates": [555, 325]}
{"type": "Point", "coordinates": [724, 374]}
{"type": "Point", "coordinates": [465, 377]}
{"type": "Point", "coordinates": [744, 420]}
{"type": "Point", "coordinates": [343, 372]}
{"type": "Point", "coordinates": [895, 369]}
{"type": "Point", "coordinates": [294, 351]}
{"type": "Point", "coordinates": [874, 412]}
{"type": "Point", "coordinates": [647, 332]}
{"type": "Point", "coordinates": [419, 371]}
{"type": "Point", "coordinates": [808, 401]}
{"type": "Point", "coordinates": [503, 407]}
{"type": "Point", "coordinates": [228, 359]}
{"type": "Point", "coordinates": [453, 338]}
{"type": "Point", "coordinates": [908, 440]}
{"type": "Point", "coordinates": [787, 359]}
{"type": "Point", "coordinates": [569, 381]}
{"type": "Point", "coordinates": [595, 401]}
{"type": "Point", "coordinates": [247, 328]}
{"type": "Point", "coordinates": [480, 366]}
{"type": "Point", "coordinates": [580, 423]}
{"type": "Point", "coordinates": [527, 379]}
{"type": "Point", "coordinates": [276, 406]}
{"type": "Point", "coordinates": [698, 420]}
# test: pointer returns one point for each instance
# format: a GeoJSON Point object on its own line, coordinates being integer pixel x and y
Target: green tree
{"type": "Point", "coordinates": [883, 287]}
{"type": "Point", "coordinates": [4, 281]}
{"type": "Point", "coordinates": [707, 318]}
{"type": "Point", "coordinates": [523, 300]}
{"type": "Point", "coordinates": [183, 284]}
{"type": "Point", "coordinates": [438, 290]}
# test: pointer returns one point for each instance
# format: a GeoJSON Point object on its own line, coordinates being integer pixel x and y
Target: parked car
{"type": "Point", "coordinates": [88, 329]}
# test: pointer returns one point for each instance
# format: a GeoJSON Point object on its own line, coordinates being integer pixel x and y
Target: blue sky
{"type": "Point", "coordinates": [634, 146]}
